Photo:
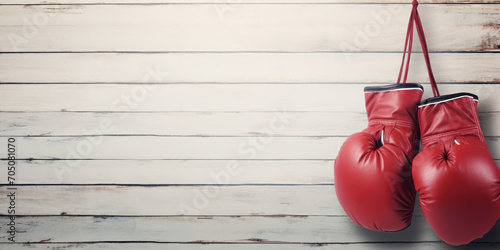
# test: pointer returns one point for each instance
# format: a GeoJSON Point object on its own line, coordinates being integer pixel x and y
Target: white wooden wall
{"type": "Point", "coordinates": [190, 124]}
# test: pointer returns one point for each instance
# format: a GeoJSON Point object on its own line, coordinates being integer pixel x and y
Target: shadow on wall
{"type": "Point", "coordinates": [420, 229]}
{"type": "Point", "coordinates": [493, 235]}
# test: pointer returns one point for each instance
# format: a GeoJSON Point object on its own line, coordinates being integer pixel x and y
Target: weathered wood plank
{"type": "Point", "coordinates": [302, 229]}
{"type": "Point", "coordinates": [167, 147]}
{"type": "Point", "coordinates": [219, 27]}
{"type": "Point", "coordinates": [209, 97]}
{"type": "Point", "coordinates": [236, 246]}
{"type": "Point", "coordinates": [159, 147]}
{"type": "Point", "coordinates": [246, 246]}
{"type": "Point", "coordinates": [180, 97]}
{"type": "Point", "coordinates": [175, 200]}
{"type": "Point", "coordinates": [189, 123]}
{"type": "Point", "coordinates": [241, 67]}
{"type": "Point", "coordinates": [172, 172]}
{"type": "Point", "coordinates": [236, 2]}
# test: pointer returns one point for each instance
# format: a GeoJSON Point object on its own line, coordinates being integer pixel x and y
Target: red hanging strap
{"type": "Point", "coordinates": [415, 19]}
{"type": "Point", "coordinates": [409, 37]}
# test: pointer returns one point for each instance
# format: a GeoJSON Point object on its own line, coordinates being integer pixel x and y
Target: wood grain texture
{"type": "Point", "coordinates": [209, 97]}
{"type": "Point", "coordinates": [236, 246]}
{"type": "Point", "coordinates": [242, 67]}
{"type": "Point", "coordinates": [214, 200]}
{"type": "Point", "coordinates": [170, 147]}
{"type": "Point", "coordinates": [246, 246]}
{"type": "Point", "coordinates": [234, 2]}
{"type": "Point", "coordinates": [155, 147]}
{"type": "Point", "coordinates": [173, 172]}
{"type": "Point", "coordinates": [219, 27]}
{"type": "Point", "coordinates": [188, 123]}
{"type": "Point", "coordinates": [248, 229]}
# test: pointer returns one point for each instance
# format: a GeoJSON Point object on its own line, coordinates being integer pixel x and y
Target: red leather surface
{"type": "Point", "coordinates": [457, 180]}
{"type": "Point", "coordinates": [373, 181]}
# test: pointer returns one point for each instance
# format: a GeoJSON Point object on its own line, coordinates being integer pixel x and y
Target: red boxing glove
{"type": "Point", "coordinates": [373, 168]}
{"type": "Point", "coordinates": [456, 178]}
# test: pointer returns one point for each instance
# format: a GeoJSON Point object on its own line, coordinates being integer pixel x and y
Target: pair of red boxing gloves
{"type": "Point", "coordinates": [379, 170]}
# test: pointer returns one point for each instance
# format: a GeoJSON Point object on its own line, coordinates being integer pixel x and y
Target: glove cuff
{"type": "Point", "coordinates": [393, 87]}
{"type": "Point", "coordinates": [396, 102]}
{"type": "Point", "coordinates": [446, 98]}
{"type": "Point", "coordinates": [449, 116]}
